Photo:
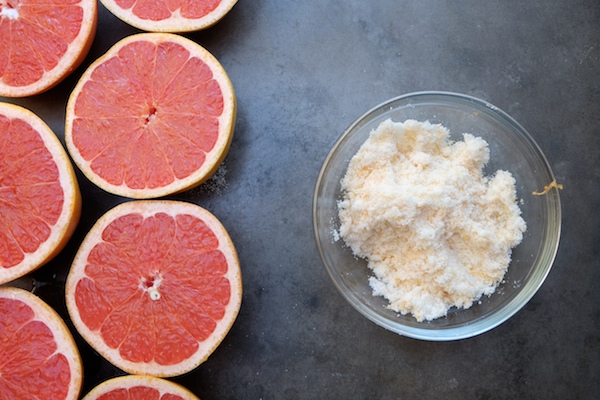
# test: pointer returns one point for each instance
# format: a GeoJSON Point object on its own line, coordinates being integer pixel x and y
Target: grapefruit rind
{"type": "Point", "coordinates": [214, 157]}
{"type": "Point", "coordinates": [149, 208]}
{"type": "Point", "coordinates": [174, 24]}
{"type": "Point", "coordinates": [71, 212]}
{"type": "Point", "coordinates": [70, 60]}
{"type": "Point", "coordinates": [62, 336]}
{"type": "Point", "coordinates": [128, 381]}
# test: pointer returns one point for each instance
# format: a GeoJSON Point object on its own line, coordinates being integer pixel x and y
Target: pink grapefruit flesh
{"type": "Point", "coordinates": [40, 201]}
{"type": "Point", "coordinates": [152, 117]}
{"type": "Point", "coordinates": [170, 15]}
{"type": "Point", "coordinates": [42, 42]}
{"type": "Point", "coordinates": [155, 286]}
{"type": "Point", "coordinates": [38, 357]}
{"type": "Point", "coordinates": [142, 387]}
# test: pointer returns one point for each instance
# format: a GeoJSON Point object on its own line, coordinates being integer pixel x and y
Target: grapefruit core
{"type": "Point", "coordinates": [40, 201]}
{"type": "Point", "coordinates": [155, 286]}
{"type": "Point", "coordinates": [151, 117]}
{"type": "Point", "coordinates": [130, 387]}
{"type": "Point", "coordinates": [38, 357]}
{"type": "Point", "coordinates": [170, 15]}
{"type": "Point", "coordinates": [42, 42]}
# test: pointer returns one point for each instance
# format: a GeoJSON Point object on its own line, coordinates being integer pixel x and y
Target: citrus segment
{"type": "Point", "coordinates": [170, 15]}
{"type": "Point", "coordinates": [155, 286]}
{"type": "Point", "coordinates": [142, 387]}
{"type": "Point", "coordinates": [38, 357]}
{"type": "Point", "coordinates": [41, 42]}
{"type": "Point", "coordinates": [40, 202]}
{"type": "Point", "coordinates": [152, 117]}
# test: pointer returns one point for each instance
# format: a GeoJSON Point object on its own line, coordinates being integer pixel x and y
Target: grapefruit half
{"type": "Point", "coordinates": [40, 201]}
{"type": "Point", "coordinates": [132, 387]}
{"type": "Point", "coordinates": [38, 357]}
{"type": "Point", "coordinates": [41, 42]}
{"type": "Point", "coordinates": [170, 15]}
{"type": "Point", "coordinates": [155, 286]}
{"type": "Point", "coordinates": [151, 117]}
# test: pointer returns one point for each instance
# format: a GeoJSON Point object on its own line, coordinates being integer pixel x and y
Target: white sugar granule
{"type": "Point", "coordinates": [434, 230]}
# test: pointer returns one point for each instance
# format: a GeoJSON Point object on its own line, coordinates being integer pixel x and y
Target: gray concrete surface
{"type": "Point", "coordinates": [303, 71]}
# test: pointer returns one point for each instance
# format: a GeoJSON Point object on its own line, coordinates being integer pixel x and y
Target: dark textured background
{"type": "Point", "coordinates": [303, 71]}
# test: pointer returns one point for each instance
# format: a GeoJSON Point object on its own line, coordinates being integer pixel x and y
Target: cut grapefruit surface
{"type": "Point", "coordinates": [41, 42]}
{"type": "Point", "coordinates": [155, 286]}
{"type": "Point", "coordinates": [170, 15]}
{"type": "Point", "coordinates": [38, 357]}
{"type": "Point", "coordinates": [40, 201]}
{"type": "Point", "coordinates": [153, 116]}
{"type": "Point", "coordinates": [139, 387]}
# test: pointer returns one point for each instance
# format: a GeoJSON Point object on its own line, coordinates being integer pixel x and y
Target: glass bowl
{"type": "Point", "coordinates": [511, 149]}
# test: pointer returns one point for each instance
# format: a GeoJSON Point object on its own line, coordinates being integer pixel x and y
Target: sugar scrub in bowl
{"type": "Point", "coordinates": [437, 216]}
